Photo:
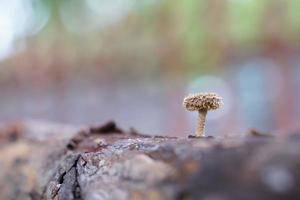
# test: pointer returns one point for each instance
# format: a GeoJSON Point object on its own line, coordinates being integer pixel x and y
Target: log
{"type": "Point", "coordinates": [49, 161]}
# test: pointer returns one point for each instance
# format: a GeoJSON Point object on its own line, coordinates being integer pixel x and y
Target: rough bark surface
{"type": "Point", "coordinates": [47, 161]}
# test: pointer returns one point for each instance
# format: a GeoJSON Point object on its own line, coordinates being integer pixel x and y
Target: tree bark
{"type": "Point", "coordinates": [48, 161]}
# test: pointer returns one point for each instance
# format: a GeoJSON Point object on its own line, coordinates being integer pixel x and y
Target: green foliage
{"type": "Point", "coordinates": [184, 36]}
{"type": "Point", "coordinates": [245, 20]}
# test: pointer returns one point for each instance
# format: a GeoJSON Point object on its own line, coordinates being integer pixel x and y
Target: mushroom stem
{"type": "Point", "coordinates": [201, 123]}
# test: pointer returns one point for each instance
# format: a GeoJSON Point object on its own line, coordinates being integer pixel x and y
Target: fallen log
{"type": "Point", "coordinates": [48, 161]}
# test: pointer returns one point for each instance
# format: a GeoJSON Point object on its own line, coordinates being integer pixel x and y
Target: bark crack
{"type": "Point", "coordinates": [64, 183]}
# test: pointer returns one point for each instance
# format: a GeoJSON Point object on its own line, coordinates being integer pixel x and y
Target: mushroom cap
{"type": "Point", "coordinates": [202, 101]}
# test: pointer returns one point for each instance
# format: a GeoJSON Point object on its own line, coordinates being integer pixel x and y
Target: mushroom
{"type": "Point", "coordinates": [202, 102]}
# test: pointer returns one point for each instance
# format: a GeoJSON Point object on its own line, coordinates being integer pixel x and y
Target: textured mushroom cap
{"type": "Point", "coordinates": [202, 101]}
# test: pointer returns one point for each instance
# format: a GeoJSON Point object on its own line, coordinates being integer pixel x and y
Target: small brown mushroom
{"type": "Point", "coordinates": [202, 102]}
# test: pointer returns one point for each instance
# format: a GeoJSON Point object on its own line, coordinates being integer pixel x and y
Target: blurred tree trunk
{"type": "Point", "coordinates": [276, 48]}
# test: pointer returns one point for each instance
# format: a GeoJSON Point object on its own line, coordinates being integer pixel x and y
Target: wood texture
{"type": "Point", "coordinates": [48, 161]}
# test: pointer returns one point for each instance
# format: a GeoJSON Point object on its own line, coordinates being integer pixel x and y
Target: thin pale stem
{"type": "Point", "coordinates": [200, 131]}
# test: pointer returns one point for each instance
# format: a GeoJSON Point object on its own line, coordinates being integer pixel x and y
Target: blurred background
{"type": "Point", "coordinates": [133, 61]}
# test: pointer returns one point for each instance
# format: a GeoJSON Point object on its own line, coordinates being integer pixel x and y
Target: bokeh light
{"type": "Point", "coordinates": [18, 20]}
